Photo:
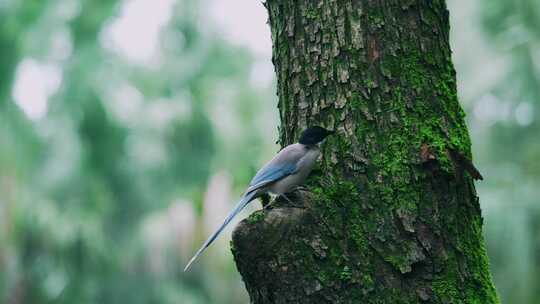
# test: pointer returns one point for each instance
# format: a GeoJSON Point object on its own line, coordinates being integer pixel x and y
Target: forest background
{"type": "Point", "coordinates": [129, 128]}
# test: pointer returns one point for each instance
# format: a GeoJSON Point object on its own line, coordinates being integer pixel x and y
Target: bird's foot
{"type": "Point", "coordinates": [301, 188]}
{"type": "Point", "coordinates": [288, 199]}
{"type": "Point", "coordinates": [268, 206]}
{"type": "Point", "coordinates": [265, 200]}
{"type": "Point", "coordinates": [291, 203]}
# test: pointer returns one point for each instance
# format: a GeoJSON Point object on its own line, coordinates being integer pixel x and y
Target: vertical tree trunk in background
{"type": "Point", "coordinates": [392, 216]}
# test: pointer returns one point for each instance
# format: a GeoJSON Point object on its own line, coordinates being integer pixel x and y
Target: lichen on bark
{"type": "Point", "coordinates": [390, 216]}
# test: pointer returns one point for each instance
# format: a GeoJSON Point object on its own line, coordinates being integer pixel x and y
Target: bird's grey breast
{"type": "Point", "coordinates": [307, 161]}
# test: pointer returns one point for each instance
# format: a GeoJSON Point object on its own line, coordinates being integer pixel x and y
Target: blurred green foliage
{"type": "Point", "coordinates": [510, 148]}
{"type": "Point", "coordinates": [120, 143]}
{"type": "Point", "coordinates": [102, 193]}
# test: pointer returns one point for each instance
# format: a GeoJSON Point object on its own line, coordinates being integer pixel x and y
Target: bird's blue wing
{"type": "Point", "coordinates": [283, 164]}
{"type": "Point", "coordinates": [271, 173]}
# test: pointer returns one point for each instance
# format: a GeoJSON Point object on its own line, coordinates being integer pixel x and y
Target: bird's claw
{"type": "Point", "coordinates": [288, 199]}
{"type": "Point", "coordinates": [292, 204]}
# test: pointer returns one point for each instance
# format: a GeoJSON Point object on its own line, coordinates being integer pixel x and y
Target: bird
{"type": "Point", "coordinates": [288, 169]}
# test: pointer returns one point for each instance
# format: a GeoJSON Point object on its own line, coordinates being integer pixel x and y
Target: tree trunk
{"type": "Point", "coordinates": [392, 215]}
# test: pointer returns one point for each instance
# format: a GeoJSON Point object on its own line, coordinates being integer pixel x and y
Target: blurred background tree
{"type": "Point", "coordinates": [508, 121]}
{"type": "Point", "coordinates": [128, 128]}
{"type": "Point", "coordinates": [111, 118]}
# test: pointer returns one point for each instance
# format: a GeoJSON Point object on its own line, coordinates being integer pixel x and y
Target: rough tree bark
{"type": "Point", "coordinates": [392, 215]}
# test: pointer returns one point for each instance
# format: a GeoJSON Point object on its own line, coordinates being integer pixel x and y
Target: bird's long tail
{"type": "Point", "coordinates": [241, 204]}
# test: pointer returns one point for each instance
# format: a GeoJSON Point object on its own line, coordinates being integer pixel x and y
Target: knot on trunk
{"type": "Point", "coordinates": [263, 246]}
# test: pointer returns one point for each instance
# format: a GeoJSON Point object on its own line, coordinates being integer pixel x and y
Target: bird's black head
{"type": "Point", "coordinates": [314, 135]}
